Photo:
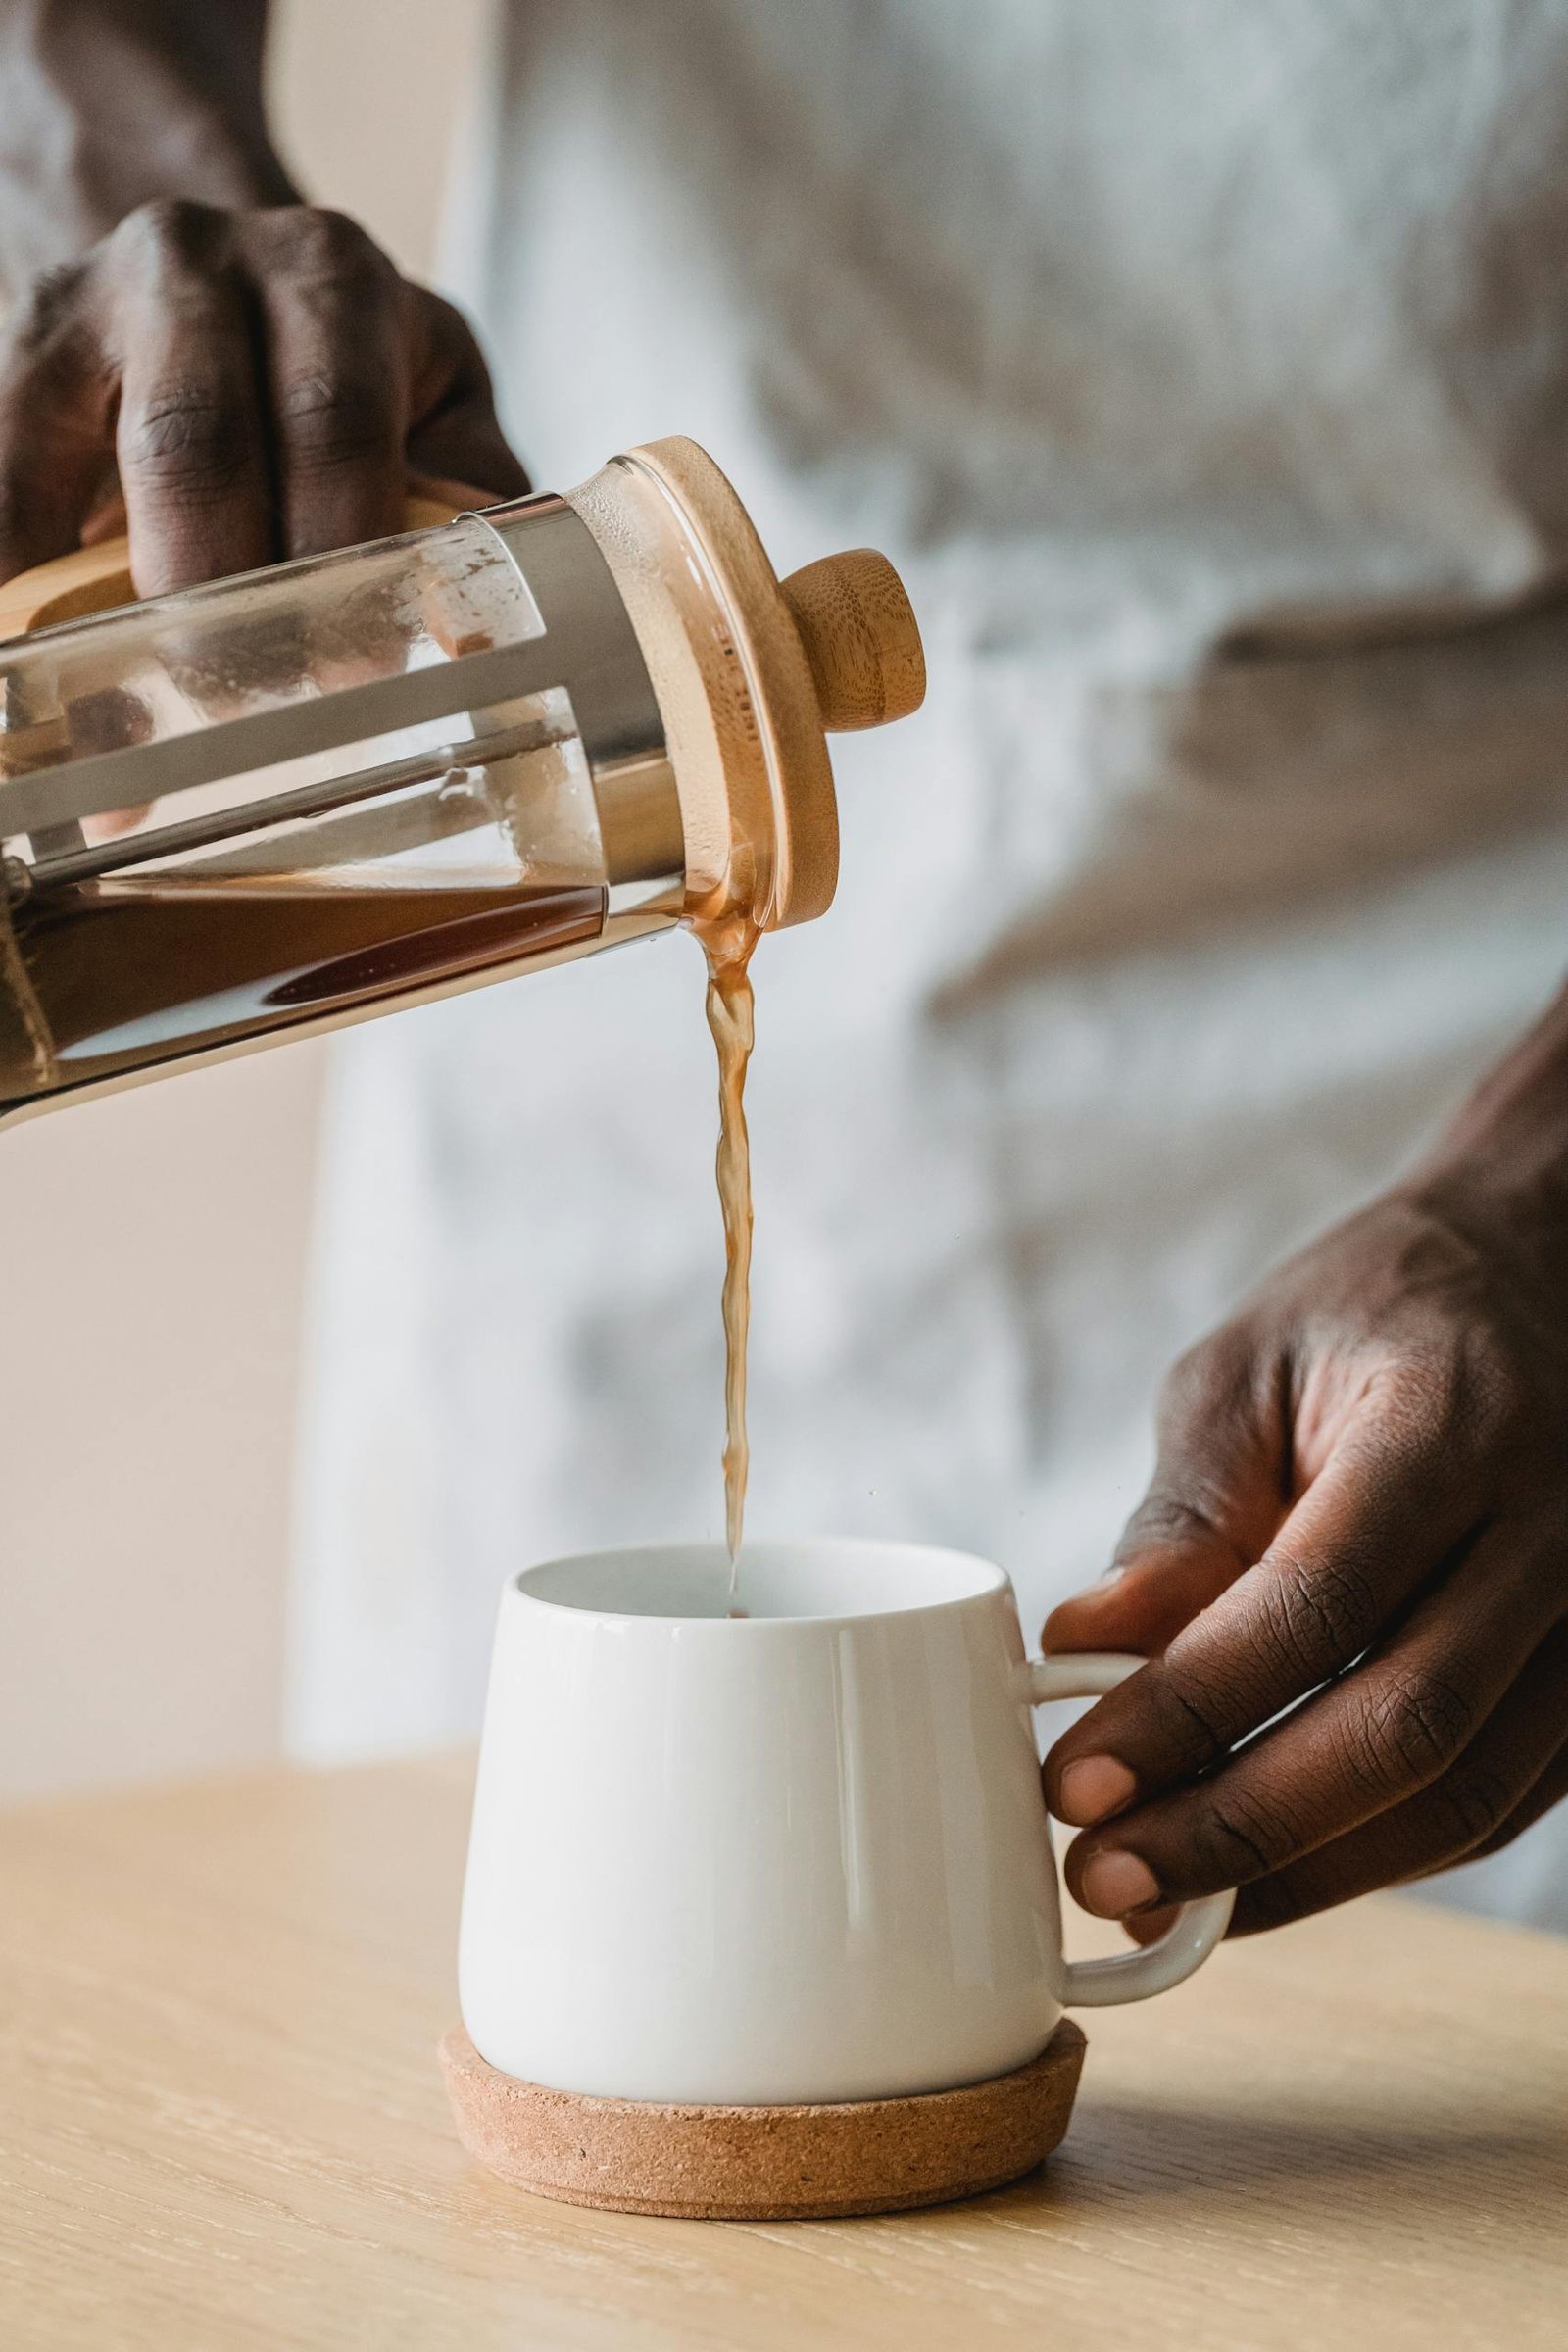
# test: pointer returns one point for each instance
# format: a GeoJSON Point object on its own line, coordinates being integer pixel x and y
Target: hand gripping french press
{"type": "Point", "coordinates": [292, 799]}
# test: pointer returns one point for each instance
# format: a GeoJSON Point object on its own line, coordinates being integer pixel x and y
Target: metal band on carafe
{"type": "Point", "coordinates": [613, 700]}
{"type": "Point", "coordinates": [586, 647]}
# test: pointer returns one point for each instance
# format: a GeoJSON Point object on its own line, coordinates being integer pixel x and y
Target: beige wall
{"type": "Point", "coordinates": [367, 94]}
{"type": "Point", "coordinates": [154, 1245]}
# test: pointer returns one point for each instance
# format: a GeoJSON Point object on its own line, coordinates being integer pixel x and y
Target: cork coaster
{"type": "Point", "coordinates": [764, 2164]}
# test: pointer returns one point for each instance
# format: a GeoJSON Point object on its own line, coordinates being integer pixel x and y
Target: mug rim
{"type": "Point", "coordinates": [996, 1580]}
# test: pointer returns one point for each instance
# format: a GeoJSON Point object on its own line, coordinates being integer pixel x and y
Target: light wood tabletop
{"type": "Point", "coordinates": [222, 2125]}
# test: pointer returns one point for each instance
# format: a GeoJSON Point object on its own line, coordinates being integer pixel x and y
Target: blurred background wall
{"type": "Point", "coordinates": [154, 1245]}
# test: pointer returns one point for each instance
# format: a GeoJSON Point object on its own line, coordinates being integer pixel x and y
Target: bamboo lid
{"type": "Point", "coordinates": [750, 676]}
{"type": "Point", "coordinates": [861, 640]}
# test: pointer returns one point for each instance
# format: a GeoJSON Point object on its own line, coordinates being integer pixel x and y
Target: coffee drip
{"type": "Point", "coordinates": [730, 1017]}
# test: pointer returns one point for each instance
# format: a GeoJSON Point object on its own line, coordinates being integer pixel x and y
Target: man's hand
{"type": "Point", "coordinates": [250, 373]}
{"type": "Point", "coordinates": [1350, 1570]}
{"type": "Point", "coordinates": [262, 379]}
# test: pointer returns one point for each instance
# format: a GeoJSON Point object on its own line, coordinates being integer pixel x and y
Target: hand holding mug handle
{"type": "Point", "coordinates": [1197, 1928]}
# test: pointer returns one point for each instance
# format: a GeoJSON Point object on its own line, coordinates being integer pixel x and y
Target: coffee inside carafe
{"type": "Point", "coordinates": [113, 970]}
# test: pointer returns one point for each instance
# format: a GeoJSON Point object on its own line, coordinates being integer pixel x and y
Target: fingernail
{"type": "Point", "coordinates": [1093, 1788]}
{"type": "Point", "coordinates": [1114, 1884]}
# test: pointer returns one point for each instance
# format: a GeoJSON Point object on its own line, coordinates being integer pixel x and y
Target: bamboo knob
{"type": "Point", "coordinates": [861, 639]}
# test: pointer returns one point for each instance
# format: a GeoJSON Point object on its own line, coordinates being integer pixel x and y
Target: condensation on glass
{"type": "Point", "coordinates": [287, 800]}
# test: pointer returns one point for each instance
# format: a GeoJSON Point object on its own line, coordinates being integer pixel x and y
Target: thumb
{"type": "Point", "coordinates": [1170, 1564]}
{"type": "Point", "coordinates": [1214, 1506]}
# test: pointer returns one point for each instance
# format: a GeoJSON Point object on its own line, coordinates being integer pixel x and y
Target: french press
{"type": "Point", "coordinates": [292, 799]}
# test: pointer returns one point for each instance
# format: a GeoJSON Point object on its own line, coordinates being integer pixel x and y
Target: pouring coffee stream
{"type": "Point", "coordinates": [731, 1020]}
{"type": "Point", "coordinates": [505, 739]}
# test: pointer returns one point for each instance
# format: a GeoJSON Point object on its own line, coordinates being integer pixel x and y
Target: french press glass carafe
{"type": "Point", "coordinates": [298, 798]}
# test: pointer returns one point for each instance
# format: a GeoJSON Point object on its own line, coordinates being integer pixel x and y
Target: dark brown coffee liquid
{"type": "Point", "coordinates": [728, 949]}
{"type": "Point", "coordinates": [125, 974]}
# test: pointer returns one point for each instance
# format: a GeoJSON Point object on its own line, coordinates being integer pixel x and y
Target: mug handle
{"type": "Point", "coordinates": [1197, 1928]}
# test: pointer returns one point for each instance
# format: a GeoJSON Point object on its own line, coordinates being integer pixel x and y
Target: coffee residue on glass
{"type": "Point", "coordinates": [729, 948]}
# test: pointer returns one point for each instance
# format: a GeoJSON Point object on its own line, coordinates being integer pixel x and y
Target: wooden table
{"type": "Point", "coordinates": [220, 2125]}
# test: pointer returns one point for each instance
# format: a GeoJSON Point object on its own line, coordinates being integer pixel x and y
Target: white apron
{"type": "Point", "coordinates": [1204, 369]}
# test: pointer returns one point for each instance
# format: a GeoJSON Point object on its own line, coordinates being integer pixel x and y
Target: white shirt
{"type": "Point", "coordinates": [1204, 369]}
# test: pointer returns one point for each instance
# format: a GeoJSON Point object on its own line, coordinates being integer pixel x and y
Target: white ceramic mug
{"type": "Point", "coordinates": [802, 1855]}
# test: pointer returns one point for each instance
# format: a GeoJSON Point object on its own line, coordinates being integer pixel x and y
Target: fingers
{"type": "Point", "coordinates": [1212, 1506]}
{"type": "Point", "coordinates": [264, 378]}
{"type": "Point", "coordinates": [1547, 1790]}
{"type": "Point", "coordinates": [337, 375]}
{"type": "Point", "coordinates": [453, 434]}
{"type": "Point", "coordinates": [1356, 1751]}
{"type": "Point", "coordinates": [57, 402]}
{"type": "Point", "coordinates": [1174, 1563]}
{"type": "Point", "coordinates": [1514, 1770]}
{"type": "Point", "coordinates": [1392, 1501]}
{"type": "Point", "coordinates": [191, 440]}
